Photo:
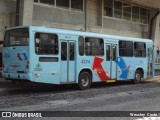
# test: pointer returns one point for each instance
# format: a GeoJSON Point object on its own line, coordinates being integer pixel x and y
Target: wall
{"type": "Point", "coordinates": [156, 32]}
{"type": "Point", "coordinates": [91, 12]}
{"type": "Point", "coordinates": [25, 12]}
{"type": "Point", "coordinates": [58, 17]}
{"type": "Point", "coordinates": [124, 28]}
{"type": "Point", "coordinates": [97, 23]}
{"type": "Point", "coordinates": [7, 15]}
{"type": "Point", "coordinates": [44, 15]}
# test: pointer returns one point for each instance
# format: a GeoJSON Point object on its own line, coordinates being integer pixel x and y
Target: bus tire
{"type": "Point", "coordinates": [137, 77]}
{"type": "Point", "coordinates": [84, 80]}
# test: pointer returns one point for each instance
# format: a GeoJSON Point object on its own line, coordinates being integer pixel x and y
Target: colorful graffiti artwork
{"type": "Point", "coordinates": [99, 69]}
{"type": "Point", "coordinates": [22, 56]}
{"type": "Point", "coordinates": [123, 67]}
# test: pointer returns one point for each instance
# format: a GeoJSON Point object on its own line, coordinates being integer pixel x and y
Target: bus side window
{"type": "Point", "coordinates": [94, 46]}
{"type": "Point", "coordinates": [139, 49]}
{"type": "Point", "coordinates": [37, 41]}
{"type": "Point", "coordinates": [81, 45]}
{"type": "Point", "coordinates": [101, 47]}
{"type": "Point", "coordinates": [125, 48]}
{"type": "Point", "coordinates": [46, 43]}
{"type": "Point", "coordinates": [87, 46]}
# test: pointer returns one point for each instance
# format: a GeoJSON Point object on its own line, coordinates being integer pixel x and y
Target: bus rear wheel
{"type": "Point", "coordinates": [137, 77]}
{"type": "Point", "coordinates": [84, 80]}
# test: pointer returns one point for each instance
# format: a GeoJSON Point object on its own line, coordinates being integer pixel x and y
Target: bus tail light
{"type": "Point", "coordinates": [27, 65]}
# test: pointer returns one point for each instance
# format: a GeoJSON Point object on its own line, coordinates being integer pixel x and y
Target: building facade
{"type": "Point", "coordinates": [133, 18]}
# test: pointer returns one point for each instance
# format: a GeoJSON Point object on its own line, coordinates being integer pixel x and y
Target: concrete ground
{"type": "Point", "coordinates": [101, 97]}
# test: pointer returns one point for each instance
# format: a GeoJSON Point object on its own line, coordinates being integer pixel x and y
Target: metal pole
{"type": "Point", "coordinates": [17, 12]}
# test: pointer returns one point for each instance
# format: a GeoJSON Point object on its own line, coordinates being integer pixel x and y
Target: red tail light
{"type": "Point", "coordinates": [27, 65]}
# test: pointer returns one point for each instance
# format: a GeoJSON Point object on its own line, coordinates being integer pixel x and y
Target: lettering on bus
{"type": "Point", "coordinates": [38, 67]}
{"type": "Point", "coordinates": [67, 37]}
{"type": "Point", "coordinates": [111, 41]}
{"type": "Point", "coordinates": [85, 61]}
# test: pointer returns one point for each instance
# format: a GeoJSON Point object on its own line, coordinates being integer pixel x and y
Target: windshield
{"type": "Point", "coordinates": [16, 37]}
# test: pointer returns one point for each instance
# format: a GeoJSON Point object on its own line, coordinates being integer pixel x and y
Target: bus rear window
{"type": "Point", "coordinates": [16, 37]}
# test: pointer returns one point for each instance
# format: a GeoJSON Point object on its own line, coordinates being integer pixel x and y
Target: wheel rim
{"type": "Point", "coordinates": [138, 76]}
{"type": "Point", "coordinates": [85, 80]}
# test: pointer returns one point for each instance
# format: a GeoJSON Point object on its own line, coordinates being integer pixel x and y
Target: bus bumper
{"type": "Point", "coordinates": [14, 76]}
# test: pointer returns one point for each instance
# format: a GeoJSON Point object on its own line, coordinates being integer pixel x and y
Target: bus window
{"type": "Point", "coordinates": [94, 46]}
{"type": "Point", "coordinates": [71, 55]}
{"type": "Point", "coordinates": [114, 53]}
{"type": "Point", "coordinates": [139, 49]}
{"type": "Point", "coordinates": [126, 48]}
{"type": "Point", "coordinates": [16, 37]}
{"type": "Point", "coordinates": [64, 51]}
{"type": "Point", "coordinates": [108, 53]}
{"type": "Point", "coordinates": [46, 43]}
{"type": "Point", "coordinates": [81, 45]}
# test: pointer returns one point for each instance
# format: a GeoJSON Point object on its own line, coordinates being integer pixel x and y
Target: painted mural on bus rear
{"type": "Point", "coordinates": [59, 56]}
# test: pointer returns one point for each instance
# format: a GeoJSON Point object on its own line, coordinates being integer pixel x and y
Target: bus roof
{"type": "Point", "coordinates": [80, 33]}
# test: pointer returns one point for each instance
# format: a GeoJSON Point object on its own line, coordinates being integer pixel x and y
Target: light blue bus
{"type": "Point", "coordinates": [58, 56]}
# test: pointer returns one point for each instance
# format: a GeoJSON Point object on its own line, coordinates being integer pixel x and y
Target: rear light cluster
{"type": "Point", "coordinates": [27, 66]}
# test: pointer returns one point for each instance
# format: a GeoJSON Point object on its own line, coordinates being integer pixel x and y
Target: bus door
{"type": "Point", "coordinates": [150, 71]}
{"type": "Point", "coordinates": [67, 61]}
{"type": "Point", "coordinates": [111, 53]}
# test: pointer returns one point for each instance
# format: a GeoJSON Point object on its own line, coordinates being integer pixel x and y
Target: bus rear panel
{"type": "Point", "coordinates": [16, 54]}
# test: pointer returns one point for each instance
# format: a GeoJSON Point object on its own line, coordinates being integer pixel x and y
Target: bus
{"type": "Point", "coordinates": [59, 56]}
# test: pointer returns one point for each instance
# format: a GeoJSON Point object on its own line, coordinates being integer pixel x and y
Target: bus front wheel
{"type": "Point", "coordinates": [84, 81]}
{"type": "Point", "coordinates": [137, 77]}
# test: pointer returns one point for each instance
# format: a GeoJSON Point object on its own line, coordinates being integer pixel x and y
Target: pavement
{"type": "Point", "coordinates": [100, 97]}
{"type": "Point", "coordinates": [156, 77]}
{"type": "Point", "coordinates": [121, 96]}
